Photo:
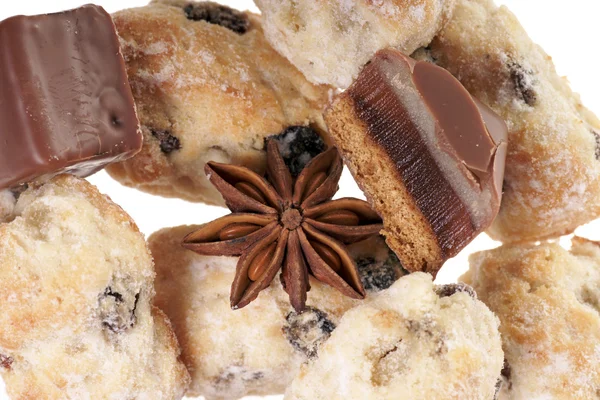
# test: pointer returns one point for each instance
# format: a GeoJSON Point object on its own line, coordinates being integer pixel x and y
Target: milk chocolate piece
{"type": "Point", "coordinates": [429, 156]}
{"type": "Point", "coordinates": [65, 101]}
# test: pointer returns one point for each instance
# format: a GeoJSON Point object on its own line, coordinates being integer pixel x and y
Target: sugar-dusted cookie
{"type": "Point", "coordinates": [330, 40]}
{"type": "Point", "coordinates": [207, 86]}
{"type": "Point", "coordinates": [256, 350]}
{"type": "Point", "coordinates": [552, 180]}
{"type": "Point", "coordinates": [548, 300]}
{"type": "Point", "coordinates": [412, 341]}
{"type": "Point", "coordinates": [75, 294]}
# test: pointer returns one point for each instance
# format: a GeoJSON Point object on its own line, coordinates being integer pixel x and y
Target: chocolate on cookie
{"type": "Point", "coordinates": [429, 156]}
{"type": "Point", "coordinates": [552, 180]}
{"type": "Point", "coordinates": [208, 87]}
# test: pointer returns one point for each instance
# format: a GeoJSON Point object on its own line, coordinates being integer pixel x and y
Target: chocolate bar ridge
{"type": "Point", "coordinates": [65, 100]}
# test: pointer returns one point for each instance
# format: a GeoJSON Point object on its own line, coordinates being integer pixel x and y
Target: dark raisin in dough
{"type": "Point", "coordinates": [376, 276]}
{"type": "Point", "coordinates": [219, 15]}
{"type": "Point", "coordinates": [597, 137]}
{"type": "Point", "coordinates": [18, 190]}
{"type": "Point", "coordinates": [116, 312]}
{"type": "Point", "coordinates": [168, 142]}
{"type": "Point", "coordinates": [450, 289]}
{"type": "Point", "coordinates": [298, 145]}
{"type": "Point", "coordinates": [5, 361]}
{"type": "Point", "coordinates": [522, 80]}
{"type": "Point", "coordinates": [308, 330]}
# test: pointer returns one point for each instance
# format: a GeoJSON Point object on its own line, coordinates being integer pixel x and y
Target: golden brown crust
{"type": "Point", "coordinates": [547, 300]}
{"type": "Point", "coordinates": [218, 93]}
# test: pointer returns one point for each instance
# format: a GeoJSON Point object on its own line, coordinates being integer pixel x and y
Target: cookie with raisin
{"type": "Point", "coordinates": [411, 341]}
{"type": "Point", "coordinates": [208, 87]}
{"type": "Point", "coordinates": [548, 303]}
{"type": "Point", "coordinates": [75, 293]}
{"type": "Point", "coordinates": [552, 178]}
{"type": "Point", "coordinates": [256, 350]}
{"type": "Point", "coordinates": [330, 40]}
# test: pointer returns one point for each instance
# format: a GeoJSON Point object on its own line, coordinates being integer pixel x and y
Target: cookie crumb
{"type": "Point", "coordinates": [168, 142]}
{"type": "Point", "coordinates": [217, 14]}
{"type": "Point", "coordinates": [298, 145]}
{"type": "Point", "coordinates": [308, 330]}
{"type": "Point", "coordinates": [523, 81]}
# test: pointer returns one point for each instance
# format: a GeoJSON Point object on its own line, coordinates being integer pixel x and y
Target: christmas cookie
{"type": "Point", "coordinates": [330, 40]}
{"type": "Point", "coordinates": [548, 301]}
{"type": "Point", "coordinates": [208, 87]}
{"type": "Point", "coordinates": [256, 350]}
{"type": "Point", "coordinates": [411, 341]}
{"type": "Point", "coordinates": [75, 294]}
{"type": "Point", "coordinates": [552, 180]}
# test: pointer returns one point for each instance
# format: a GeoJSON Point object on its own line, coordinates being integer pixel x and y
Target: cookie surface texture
{"type": "Point", "coordinates": [407, 342]}
{"type": "Point", "coordinates": [207, 86]}
{"type": "Point", "coordinates": [75, 293]}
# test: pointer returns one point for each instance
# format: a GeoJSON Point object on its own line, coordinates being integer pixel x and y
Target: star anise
{"type": "Point", "coordinates": [280, 221]}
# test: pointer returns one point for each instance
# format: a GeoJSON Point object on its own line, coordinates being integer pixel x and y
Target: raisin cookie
{"type": "Point", "coordinates": [256, 350]}
{"type": "Point", "coordinates": [208, 87]}
{"type": "Point", "coordinates": [548, 302]}
{"type": "Point", "coordinates": [552, 179]}
{"type": "Point", "coordinates": [330, 40]}
{"type": "Point", "coordinates": [75, 294]}
{"type": "Point", "coordinates": [412, 341]}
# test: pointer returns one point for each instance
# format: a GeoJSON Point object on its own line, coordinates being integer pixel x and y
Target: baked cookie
{"type": "Point", "coordinates": [552, 180]}
{"type": "Point", "coordinates": [208, 87]}
{"type": "Point", "coordinates": [256, 350]}
{"type": "Point", "coordinates": [7, 204]}
{"type": "Point", "coordinates": [75, 294]}
{"type": "Point", "coordinates": [548, 300]}
{"type": "Point", "coordinates": [407, 342]}
{"type": "Point", "coordinates": [330, 40]}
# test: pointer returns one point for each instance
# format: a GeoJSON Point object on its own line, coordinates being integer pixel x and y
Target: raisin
{"type": "Point", "coordinates": [523, 82]}
{"type": "Point", "coordinates": [597, 137]}
{"type": "Point", "coordinates": [298, 145]}
{"type": "Point", "coordinates": [424, 54]}
{"type": "Point", "coordinates": [5, 361]}
{"type": "Point", "coordinates": [217, 14]}
{"type": "Point", "coordinates": [168, 142]}
{"type": "Point", "coordinates": [452, 288]}
{"type": "Point", "coordinates": [235, 376]}
{"type": "Point", "coordinates": [116, 312]}
{"type": "Point", "coordinates": [306, 331]}
{"type": "Point", "coordinates": [505, 376]}
{"type": "Point", "coordinates": [376, 276]}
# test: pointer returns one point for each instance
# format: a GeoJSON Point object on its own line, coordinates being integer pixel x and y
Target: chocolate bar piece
{"type": "Point", "coordinates": [428, 155]}
{"type": "Point", "coordinates": [65, 101]}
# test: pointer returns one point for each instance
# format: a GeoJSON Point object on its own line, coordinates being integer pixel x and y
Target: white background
{"type": "Point", "coordinates": [566, 29]}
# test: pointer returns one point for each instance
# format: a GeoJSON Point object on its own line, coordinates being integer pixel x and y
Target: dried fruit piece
{"type": "Point", "coordinates": [298, 145]}
{"type": "Point", "coordinates": [168, 142]}
{"type": "Point", "coordinates": [5, 361]}
{"type": "Point", "coordinates": [306, 331]}
{"type": "Point", "coordinates": [117, 312]}
{"type": "Point", "coordinates": [377, 276]}
{"type": "Point", "coordinates": [597, 138]}
{"type": "Point", "coordinates": [452, 288]}
{"type": "Point", "coordinates": [523, 81]}
{"type": "Point", "coordinates": [219, 15]}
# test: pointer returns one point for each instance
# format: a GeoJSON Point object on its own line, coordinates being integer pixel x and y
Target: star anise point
{"type": "Point", "coordinates": [279, 223]}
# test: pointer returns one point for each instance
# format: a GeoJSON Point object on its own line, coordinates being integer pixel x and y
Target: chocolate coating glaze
{"type": "Point", "coordinates": [447, 148]}
{"type": "Point", "coordinates": [65, 101]}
